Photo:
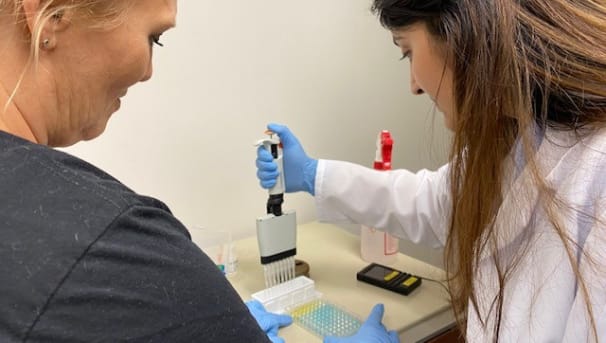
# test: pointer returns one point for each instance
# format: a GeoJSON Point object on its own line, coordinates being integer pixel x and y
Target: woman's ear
{"type": "Point", "coordinates": [42, 28]}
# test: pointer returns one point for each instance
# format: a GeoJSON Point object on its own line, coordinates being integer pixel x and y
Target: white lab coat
{"type": "Point", "coordinates": [542, 301]}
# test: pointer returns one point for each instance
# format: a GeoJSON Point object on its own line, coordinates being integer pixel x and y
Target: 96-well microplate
{"type": "Point", "coordinates": [325, 319]}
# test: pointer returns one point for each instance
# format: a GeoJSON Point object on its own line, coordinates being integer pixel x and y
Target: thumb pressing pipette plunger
{"type": "Point", "coordinates": [277, 230]}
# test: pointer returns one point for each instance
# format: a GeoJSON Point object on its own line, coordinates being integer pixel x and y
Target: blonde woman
{"type": "Point", "coordinates": [83, 257]}
{"type": "Point", "coordinates": [520, 208]}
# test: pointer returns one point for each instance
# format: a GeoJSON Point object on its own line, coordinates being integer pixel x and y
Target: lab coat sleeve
{"type": "Point", "coordinates": [407, 205]}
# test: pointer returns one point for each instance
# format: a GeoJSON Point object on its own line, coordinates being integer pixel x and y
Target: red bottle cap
{"type": "Point", "coordinates": [384, 148]}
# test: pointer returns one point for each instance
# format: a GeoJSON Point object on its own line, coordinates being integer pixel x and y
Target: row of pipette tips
{"type": "Point", "coordinates": [279, 271]}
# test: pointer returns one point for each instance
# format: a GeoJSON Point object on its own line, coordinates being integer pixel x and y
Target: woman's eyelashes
{"type": "Point", "coordinates": [405, 55]}
{"type": "Point", "coordinates": [155, 39]}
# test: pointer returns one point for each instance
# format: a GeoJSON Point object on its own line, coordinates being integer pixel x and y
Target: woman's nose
{"type": "Point", "coordinates": [148, 72]}
{"type": "Point", "coordinates": [414, 87]}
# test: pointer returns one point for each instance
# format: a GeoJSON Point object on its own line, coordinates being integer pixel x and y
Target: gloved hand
{"type": "Point", "coordinates": [299, 169]}
{"type": "Point", "coordinates": [372, 331]}
{"type": "Point", "coordinates": [269, 322]}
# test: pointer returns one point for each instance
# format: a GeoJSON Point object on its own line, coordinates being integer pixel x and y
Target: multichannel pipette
{"type": "Point", "coordinates": [277, 230]}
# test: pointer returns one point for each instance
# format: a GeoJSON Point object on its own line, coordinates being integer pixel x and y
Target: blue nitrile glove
{"type": "Point", "coordinates": [269, 322]}
{"type": "Point", "coordinates": [372, 331]}
{"type": "Point", "coordinates": [299, 169]}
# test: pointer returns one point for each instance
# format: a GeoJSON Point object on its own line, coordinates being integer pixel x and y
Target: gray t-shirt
{"type": "Point", "coordinates": [85, 259]}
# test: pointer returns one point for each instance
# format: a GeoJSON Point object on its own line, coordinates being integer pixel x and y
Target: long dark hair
{"type": "Point", "coordinates": [517, 65]}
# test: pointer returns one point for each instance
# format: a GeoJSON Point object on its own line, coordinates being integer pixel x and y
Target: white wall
{"type": "Point", "coordinates": [325, 68]}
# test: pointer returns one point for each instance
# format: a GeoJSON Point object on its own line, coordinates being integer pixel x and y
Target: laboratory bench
{"type": "Point", "coordinates": [333, 255]}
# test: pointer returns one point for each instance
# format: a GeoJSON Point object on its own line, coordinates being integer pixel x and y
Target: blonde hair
{"type": "Point", "coordinates": [99, 14]}
{"type": "Point", "coordinates": [517, 65]}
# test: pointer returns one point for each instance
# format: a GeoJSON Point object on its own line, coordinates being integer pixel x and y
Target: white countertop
{"type": "Point", "coordinates": [334, 258]}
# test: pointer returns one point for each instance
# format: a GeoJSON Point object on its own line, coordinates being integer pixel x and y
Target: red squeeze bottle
{"type": "Point", "coordinates": [378, 246]}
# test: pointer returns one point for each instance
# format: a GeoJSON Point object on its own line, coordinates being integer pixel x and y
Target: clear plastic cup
{"type": "Point", "coordinates": [218, 246]}
{"type": "Point", "coordinates": [378, 246]}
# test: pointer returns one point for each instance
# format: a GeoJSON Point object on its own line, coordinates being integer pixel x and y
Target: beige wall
{"type": "Point", "coordinates": [325, 68]}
